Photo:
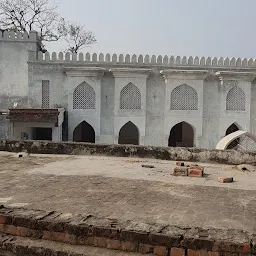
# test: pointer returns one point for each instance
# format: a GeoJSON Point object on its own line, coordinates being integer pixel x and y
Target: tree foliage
{"type": "Point", "coordinates": [31, 15]}
{"type": "Point", "coordinates": [41, 16]}
{"type": "Point", "coordinates": [76, 36]}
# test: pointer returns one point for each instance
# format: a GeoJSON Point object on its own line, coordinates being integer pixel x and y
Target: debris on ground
{"type": "Point", "coordinates": [180, 171]}
{"type": "Point", "coordinates": [148, 166]}
{"type": "Point", "coordinates": [246, 168]}
{"type": "Point", "coordinates": [196, 171]}
{"type": "Point", "coordinates": [191, 170]}
{"type": "Point", "coordinates": [180, 164]}
{"type": "Point", "coordinates": [225, 179]}
{"type": "Point", "coordinates": [22, 154]}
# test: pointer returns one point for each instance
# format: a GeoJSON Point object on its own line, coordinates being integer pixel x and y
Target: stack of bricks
{"type": "Point", "coordinates": [192, 170]}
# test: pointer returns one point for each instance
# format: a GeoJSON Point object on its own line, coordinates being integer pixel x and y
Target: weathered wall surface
{"type": "Point", "coordinates": [155, 119]}
{"type": "Point", "coordinates": [211, 113]}
{"type": "Point", "coordinates": [52, 73]}
{"type": "Point", "coordinates": [22, 70]}
{"type": "Point", "coordinates": [14, 52]}
{"type": "Point", "coordinates": [155, 111]}
{"type": "Point", "coordinates": [14, 55]}
{"type": "Point", "coordinates": [107, 109]}
{"type": "Point", "coordinates": [181, 154]}
{"type": "Point", "coordinates": [253, 108]}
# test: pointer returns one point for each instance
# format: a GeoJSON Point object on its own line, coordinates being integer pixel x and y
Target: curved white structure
{"type": "Point", "coordinates": [223, 143]}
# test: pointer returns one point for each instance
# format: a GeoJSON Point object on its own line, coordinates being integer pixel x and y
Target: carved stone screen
{"type": "Point", "coordinates": [235, 99]}
{"type": "Point", "coordinates": [184, 97]}
{"type": "Point", "coordinates": [130, 97]}
{"type": "Point", "coordinates": [45, 94]}
{"type": "Point", "coordinates": [84, 97]}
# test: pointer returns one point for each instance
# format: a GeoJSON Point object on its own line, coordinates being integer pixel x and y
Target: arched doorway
{"type": "Point", "coordinates": [232, 128]}
{"type": "Point", "coordinates": [181, 135]}
{"type": "Point", "coordinates": [84, 133]}
{"type": "Point", "coordinates": [129, 134]}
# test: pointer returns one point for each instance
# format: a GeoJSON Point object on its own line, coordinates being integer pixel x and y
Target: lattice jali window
{"type": "Point", "coordinates": [45, 94]}
{"type": "Point", "coordinates": [235, 99]}
{"type": "Point", "coordinates": [84, 97]}
{"type": "Point", "coordinates": [184, 97]}
{"type": "Point", "coordinates": [130, 97]}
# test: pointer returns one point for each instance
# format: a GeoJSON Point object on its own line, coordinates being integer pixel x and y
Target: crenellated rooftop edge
{"type": "Point", "coordinates": [143, 60]}
{"type": "Point", "coordinates": [18, 36]}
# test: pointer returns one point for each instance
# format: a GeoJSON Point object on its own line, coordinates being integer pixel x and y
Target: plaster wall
{"type": "Point", "coordinates": [107, 109]}
{"type": "Point", "coordinates": [211, 113]}
{"type": "Point", "coordinates": [228, 117]}
{"type": "Point", "coordinates": [155, 110]}
{"type": "Point", "coordinates": [253, 108]}
{"type": "Point", "coordinates": [22, 70]}
{"type": "Point", "coordinates": [192, 117]}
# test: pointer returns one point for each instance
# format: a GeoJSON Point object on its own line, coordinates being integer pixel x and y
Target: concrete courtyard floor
{"type": "Point", "coordinates": [120, 188]}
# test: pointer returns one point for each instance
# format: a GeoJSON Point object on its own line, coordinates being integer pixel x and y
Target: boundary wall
{"type": "Point", "coordinates": [165, 153]}
{"type": "Point", "coordinates": [128, 236]}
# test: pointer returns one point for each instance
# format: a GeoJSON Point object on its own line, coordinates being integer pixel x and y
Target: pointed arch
{"type": "Point", "coordinates": [84, 97]}
{"type": "Point", "coordinates": [129, 134]}
{"type": "Point", "coordinates": [84, 132]}
{"type": "Point", "coordinates": [184, 97]}
{"type": "Point", "coordinates": [181, 135]}
{"type": "Point", "coordinates": [233, 128]}
{"type": "Point", "coordinates": [130, 97]}
{"type": "Point", "coordinates": [235, 99]}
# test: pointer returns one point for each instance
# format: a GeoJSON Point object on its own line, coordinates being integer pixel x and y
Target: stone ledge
{"type": "Point", "coordinates": [125, 236]}
{"type": "Point", "coordinates": [165, 153]}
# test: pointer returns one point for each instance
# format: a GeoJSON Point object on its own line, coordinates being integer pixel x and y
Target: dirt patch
{"type": "Point", "coordinates": [10, 162]}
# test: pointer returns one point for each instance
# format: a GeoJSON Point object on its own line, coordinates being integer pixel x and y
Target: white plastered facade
{"type": "Point", "coordinates": [155, 79]}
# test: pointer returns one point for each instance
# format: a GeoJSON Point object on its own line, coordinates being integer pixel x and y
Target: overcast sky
{"type": "Point", "coordinates": [173, 27]}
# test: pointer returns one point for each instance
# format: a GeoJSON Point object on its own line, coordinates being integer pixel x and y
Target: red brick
{"type": "Point", "coordinates": [2, 220]}
{"type": "Point", "coordinates": [86, 241]}
{"type": "Point", "coordinates": [100, 242]}
{"type": "Point", "coordinates": [10, 230]}
{"type": "Point", "coordinates": [146, 248]}
{"type": "Point", "coordinates": [197, 166]}
{"type": "Point", "coordinates": [24, 232]}
{"type": "Point", "coordinates": [129, 247]}
{"type": "Point", "coordinates": [213, 253]}
{"type": "Point", "coordinates": [2, 226]}
{"type": "Point", "coordinates": [177, 252]}
{"type": "Point", "coordinates": [225, 179]}
{"type": "Point", "coordinates": [113, 244]}
{"type": "Point", "coordinates": [180, 171]}
{"type": "Point", "coordinates": [195, 172]}
{"type": "Point", "coordinates": [246, 248]}
{"type": "Point", "coordinates": [54, 236]}
{"type": "Point", "coordinates": [193, 253]}
{"type": "Point", "coordinates": [160, 251]}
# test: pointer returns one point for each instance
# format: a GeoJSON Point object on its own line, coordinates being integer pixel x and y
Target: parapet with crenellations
{"type": "Point", "coordinates": [144, 60]}
{"type": "Point", "coordinates": [12, 36]}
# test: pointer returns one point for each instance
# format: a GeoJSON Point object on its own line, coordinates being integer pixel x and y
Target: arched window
{"type": "Point", "coordinates": [233, 128]}
{"type": "Point", "coordinates": [84, 97]}
{"type": "Point", "coordinates": [184, 97]}
{"type": "Point", "coordinates": [130, 97]}
{"type": "Point", "coordinates": [235, 99]}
